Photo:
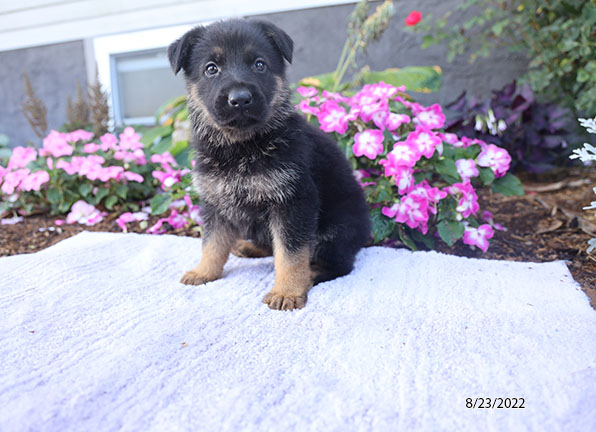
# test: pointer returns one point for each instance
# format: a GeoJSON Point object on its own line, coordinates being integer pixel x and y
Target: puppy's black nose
{"type": "Point", "coordinates": [239, 98]}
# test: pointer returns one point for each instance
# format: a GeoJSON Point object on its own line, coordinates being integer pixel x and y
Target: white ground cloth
{"type": "Point", "coordinates": [96, 334]}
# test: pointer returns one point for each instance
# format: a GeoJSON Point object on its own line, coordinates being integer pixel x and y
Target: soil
{"type": "Point", "coordinates": [547, 224]}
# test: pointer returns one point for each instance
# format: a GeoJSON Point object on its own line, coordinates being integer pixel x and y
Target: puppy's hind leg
{"type": "Point", "coordinates": [248, 249]}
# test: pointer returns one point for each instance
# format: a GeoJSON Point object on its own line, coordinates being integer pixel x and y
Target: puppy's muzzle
{"type": "Point", "coordinates": [240, 98]}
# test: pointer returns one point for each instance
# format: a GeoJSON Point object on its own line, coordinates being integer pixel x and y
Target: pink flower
{"type": "Point", "coordinates": [84, 213]}
{"type": "Point", "coordinates": [404, 153]}
{"type": "Point", "coordinates": [194, 212]}
{"type": "Point", "coordinates": [332, 117]}
{"type": "Point", "coordinates": [488, 217]}
{"type": "Point", "coordinates": [467, 142]}
{"type": "Point", "coordinates": [368, 143]}
{"type": "Point", "coordinates": [165, 159]}
{"type": "Point", "coordinates": [368, 110]}
{"type": "Point", "coordinates": [334, 96]}
{"type": "Point", "coordinates": [432, 194]}
{"type": "Point", "coordinates": [382, 90]}
{"type": "Point", "coordinates": [177, 220]}
{"type": "Point", "coordinates": [468, 200]}
{"type": "Point", "coordinates": [128, 217]}
{"type": "Point", "coordinates": [11, 221]}
{"type": "Point", "coordinates": [411, 210]}
{"type": "Point", "coordinates": [132, 176]}
{"type": "Point", "coordinates": [466, 169]}
{"type": "Point", "coordinates": [50, 163]}
{"type": "Point", "coordinates": [307, 92]}
{"type": "Point", "coordinates": [108, 173]}
{"type": "Point", "coordinates": [404, 179]}
{"type": "Point", "coordinates": [79, 135]}
{"type": "Point", "coordinates": [304, 106]}
{"type": "Point", "coordinates": [108, 142]}
{"type": "Point", "coordinates": [393, 121]}
{"type": "Point", "coordinates": [91, 148]}
{"type": "Point", "coordinates": [424, 140]}
{"type": "Point", "coordinates": [168, 179]}
{"type": "Point", "coordinates": [130, 140]}
{"type": "Point", "coordinates": [34, 181]}
{"type": "Point", "coordinates": [21, 156]}
{"type": "Point", "coordinates": [379, 118]}
{"type": "Point", "coordinates": [496, 158]}
{"type": "Point", "coordinates": [478, 236]}
{"type": "Point", "coordinates": [413, 106]}
{"type": "Point", "coordinates": [431, 117]}
{"type": "Point", "coordinates": [90, 166]}
{"type": "Point", "coordinates": [55, 144]}
{"type": "Point", "coordinates": [12, 180]}
{"type": "Point", "coordinates": [413, 18]}
{"type": "Point", "coordinates": [157, 228]}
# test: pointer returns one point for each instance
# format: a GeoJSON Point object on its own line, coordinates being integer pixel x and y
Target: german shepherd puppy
{"type": "Point", "coordinates": [269, 182]}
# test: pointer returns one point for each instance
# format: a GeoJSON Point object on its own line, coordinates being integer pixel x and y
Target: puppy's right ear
{"type": "Point", "coordinates": [179, 51]}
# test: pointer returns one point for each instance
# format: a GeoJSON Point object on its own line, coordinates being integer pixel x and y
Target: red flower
{"type": "Point", "coordinates": [414, 18]}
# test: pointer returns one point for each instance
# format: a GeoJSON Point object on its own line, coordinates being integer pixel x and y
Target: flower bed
{"type": "Point", "coordinates": [420, 181]}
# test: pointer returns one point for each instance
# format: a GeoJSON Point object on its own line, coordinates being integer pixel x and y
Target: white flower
{"type": "Point", "coordinates": [589, 124]}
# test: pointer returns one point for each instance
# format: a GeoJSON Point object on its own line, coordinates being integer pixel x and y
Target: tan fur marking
{"type": "Point", "coordinates": [292, 278]}
{"type": "Point", "coordinates": [215, 254]}
{"type": "Point", "coordinates": [247, 249]}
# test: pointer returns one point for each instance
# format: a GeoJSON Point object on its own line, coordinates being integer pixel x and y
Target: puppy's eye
{"type": "Point", "coordinates": [260, 66]}
{"type": "Point", "coordinates": [211, 69]}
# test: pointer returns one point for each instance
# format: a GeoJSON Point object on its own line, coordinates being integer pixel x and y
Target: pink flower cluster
{"type": "Point", "coordinates": [401, 138]}
{"type": "Point", "coordinates": [16, 177]}
{"type": "Point", "coordinates": [169, 174]}
{"type": "Point", "coordinates": [182, 212]}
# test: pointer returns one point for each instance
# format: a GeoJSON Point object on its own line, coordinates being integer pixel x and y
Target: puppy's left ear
{"type": "Point", "coordinates": [280, 38]}
{"type": "Point", "coordinates": [179, 50]}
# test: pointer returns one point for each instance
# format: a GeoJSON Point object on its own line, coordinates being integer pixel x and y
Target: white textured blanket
{"type": "Point", "coordinates": [96, 334]}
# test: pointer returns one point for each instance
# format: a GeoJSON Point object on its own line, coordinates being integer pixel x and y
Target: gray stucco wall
{"type": "Point", "coordinates": [53, 71]}
{"type": "Point", "coordinates": [318, 34]}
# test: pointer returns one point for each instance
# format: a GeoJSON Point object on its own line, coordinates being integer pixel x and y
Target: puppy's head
{"type": "Point", "coordinates": [234, 72]}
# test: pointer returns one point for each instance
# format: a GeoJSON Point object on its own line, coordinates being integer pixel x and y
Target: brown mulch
{"type": "Point", "coordinates": [547, 224]}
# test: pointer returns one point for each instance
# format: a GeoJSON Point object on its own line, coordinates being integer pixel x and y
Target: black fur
{"type": "Point", "coordinates": [260, 167]}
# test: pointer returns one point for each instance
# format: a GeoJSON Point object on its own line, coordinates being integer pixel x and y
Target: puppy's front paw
{"type": "Point", "coordinates": [279, 301]}
{"type": "Point", "coordinates": [194, 278]}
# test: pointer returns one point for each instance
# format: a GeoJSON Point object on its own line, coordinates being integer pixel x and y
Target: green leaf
{"type": "Point", "coordinates": [64, 206]}
{"type": "Point", "coordinates": [405, 238]}
{"type": "Point", "coordinates": [382, 226]}
{"type": "Point", "coordinates": [178, 148]}
{"type": "Point", "coordinates": [509, 185]}
{"type": "Point", "coordinates": [426, 240]}
{"type": "Point", "coordinates": [101, 193]}
{"type": "Point", "coordinates": [54, 195]}
{"type": "Point", "coordinates": [323, 81]}
{"type": "Point", "coordinates": [582, 76]}
{"type": "Point", "coordinates": [163, 145]}
{"type": "Point", "coordinates": [151, 135]}
{"type": "Point", "coordinates": [450, 231]}
{"type": "Point", "coordinates": [121, 191]}
{"type": "Point", "coordinates": [423, 79]}
{"type": "Point", "coordinates": [160, 203]}
{"type": "Point", "coordinates": [4, 141]}
{"type": "Point", "coordinates": [110, 201]}
{"type": "Point", "coordinates": [5, 153]}
{"type": "Point", "coordinates": [447, 167]}
{"type": "Point", "coordinates": [486, 175]}
{"type": "Point", "coordinates": [85, 189]}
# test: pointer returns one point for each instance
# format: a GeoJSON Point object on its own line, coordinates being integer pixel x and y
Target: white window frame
{"type": "Point", "coordinates": [106, 48]}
